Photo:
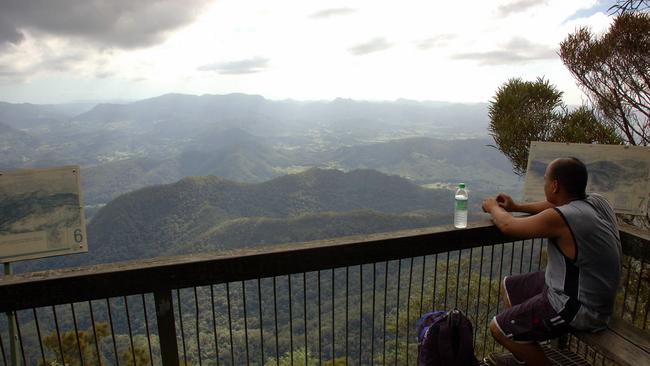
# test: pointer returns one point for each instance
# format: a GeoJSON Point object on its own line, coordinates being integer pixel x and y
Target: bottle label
{"type": "Point", "coordinates": [461, 205]}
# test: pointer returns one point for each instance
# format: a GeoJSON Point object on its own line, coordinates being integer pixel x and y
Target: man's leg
{"type": "Point", "coordinates": [504, 294]}
{"type": "Point", "coordinates": [530, 353]}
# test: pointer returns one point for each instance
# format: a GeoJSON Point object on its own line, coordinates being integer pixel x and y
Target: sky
{"type": "Point", "coordinates": [56, 51]}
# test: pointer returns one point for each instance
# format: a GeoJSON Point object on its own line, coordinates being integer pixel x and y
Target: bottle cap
{"type": "Point", "coordinates": [461, 185]}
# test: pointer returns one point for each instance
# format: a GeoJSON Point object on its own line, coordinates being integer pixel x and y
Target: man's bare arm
{"type": "Point", "coordinates": [547, 223]}
{"type": "Point", "coordinates": [533, 208]}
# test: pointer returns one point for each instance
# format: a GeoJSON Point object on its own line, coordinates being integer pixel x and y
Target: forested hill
{"type": "Point", "coordinates": [210, 213]}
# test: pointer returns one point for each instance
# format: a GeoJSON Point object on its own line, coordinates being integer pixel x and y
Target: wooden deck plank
{"type": "Point", "coordinates": [616, 347]}
{"type": "Point", "coordinates": [640, 337]}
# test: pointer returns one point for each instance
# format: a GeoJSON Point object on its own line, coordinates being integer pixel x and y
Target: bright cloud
{"type": "Point", "coordinates": [360, 49]}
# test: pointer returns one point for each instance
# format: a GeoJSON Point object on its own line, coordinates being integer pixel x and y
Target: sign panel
{"type": "Point", "coordinates": [41, 214]}
{"type": "Point", "coordinates": [619, 173]}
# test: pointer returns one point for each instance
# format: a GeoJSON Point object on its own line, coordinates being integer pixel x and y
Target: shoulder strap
{"type": "Point", "coordinates": [445, 342]}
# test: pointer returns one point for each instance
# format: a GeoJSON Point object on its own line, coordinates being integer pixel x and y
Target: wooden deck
{"type": "Point", "coordinates": [558, 357]}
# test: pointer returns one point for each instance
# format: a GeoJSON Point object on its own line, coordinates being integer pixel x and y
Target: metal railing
{"type": "Point", "coordinates": [343, 301]}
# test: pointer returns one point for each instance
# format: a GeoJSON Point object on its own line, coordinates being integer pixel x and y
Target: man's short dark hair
{"type": "Point", "coordinates": [571, 174]}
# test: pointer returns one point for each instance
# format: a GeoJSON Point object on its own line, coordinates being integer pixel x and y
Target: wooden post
{"type": "Point", "coordinates": [166, 327]}
{"type": "Point", "coordinates": [11, 319]}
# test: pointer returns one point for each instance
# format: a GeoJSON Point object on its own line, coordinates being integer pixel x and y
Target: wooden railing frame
{"type": "Point", "coordinates": [162, 275]}
{"type": "Point", "coordinates": [69, 285]}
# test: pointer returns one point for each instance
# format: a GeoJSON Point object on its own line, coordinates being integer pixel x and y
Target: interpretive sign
{"type": "Point", "coordinates": [619, 173]}
{"type": "Point", "coordinates": [41, 214]}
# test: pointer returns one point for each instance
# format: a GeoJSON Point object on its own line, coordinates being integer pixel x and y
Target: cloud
{"type": "Point", "coordinates": [8, 33]}
{"type": "Point", "coordinates": [518, 50]}
{"type": "Point", "coordinates": [435, 41]}
{"type": "Point", "coordinates": [49, 57]}
{"type": "Point", "coordinates": [328, 13]}
{"type": "Point", "coordinates": [518, 6]}
{"type": "Point", "coordinates": [117, 23]}
{"type": "Point", "coordinates": [374, 45]}
{"type": "Point", "coordinates": [246, 66]}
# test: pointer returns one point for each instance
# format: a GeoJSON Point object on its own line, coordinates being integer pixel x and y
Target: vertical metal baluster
{"type": "Point", "coordinates": [457, 281]}
{"type": "Point", "coordinates": [521, 256]}
{"type": "Point", "coordinates": [497, 296]}
{"type": "Point", "coordinates": [2, 350]}
{"type": "Point", "coordinates": [638, 287]}
{"type": "Point", "coordinates": [76, 334]}
{"type": "Point", "coordinates": [360, 311]}
{"type": "Point", "coordinates": [146, 327]}
{"type": "Point", "coordinates": [435, 282]}
{"type": "Point", "coordinates": [198, 331]}
{"type": "Point", "coordinates": [333, 332]}
{"type": "Point", "coordinates": [291, 322]}
{"type": "Point", "coordinates": [110, 323]}
{"type": "Point", "coordinates": [532, 249]}
{"type": "Point", "coordinates": [92, 320]}
{"type": "Point", "coordinates": [478, 295]}
{"type": "Point", "coordinates": [424, 264]}
{"type": "Point", "coordinates": [469, 280]}
{"type": "Point", "coordinates": [541, 249]}
{"type": "Point", "coordinates": [259, 298]}
{"type": "Point", "coordinates": [20, 338]}
{"type": "Point", "coordinates": [512, 255]}
{"type": "Point", "coordinates": [320, 336]}
{"type": "Point", "coordinates": [38, 333]}
{"type": "Point", "coordinates": [128, 322]}
{"type": "Point", "coordinates": [399, 276]}
{"type": "Point", "coordinates": [645, 317]}
{"type": "Point", "coordinates": [347, 314]}
{"type": "Point", "coordinates": [275, 310]}
{"type": "Point", "coordinates": [243, 292]}
{"type": "Point", "coordinates": [485, 335]}
{"type": "Point", "coordinates": [408, 311]}
{"type": "Point", "coordinates": [58, 333]}
{"type": "Point", "coordinates": [180, 320]}
{"type": "Point", "coordinates": [372, 329]}
{"type": "Point", "coordinates": [214, 325]}
{"type": "Point", "coordinates": [446, 279]}
{"type": "Point", "coordinates": [627, 284]}
{"type": "Point", "coordinates": [304, 310]}
{"type": "Point", "coordinates": [232, 346]}
{"type": "Point", "coordinates": [385, 307]}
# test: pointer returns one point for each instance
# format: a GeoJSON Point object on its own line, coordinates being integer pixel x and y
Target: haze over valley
{"type": "Point", "coordinates": [183, 173]}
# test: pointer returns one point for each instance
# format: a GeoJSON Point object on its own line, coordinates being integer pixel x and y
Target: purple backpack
{"type": "Point", "coordinates": [445, 338]}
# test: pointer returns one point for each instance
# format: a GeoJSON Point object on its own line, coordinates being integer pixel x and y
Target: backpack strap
{"type": "Point", "coordinates": [455, 340]}
{"type": "Point", "coordinates": [466, 342]}
{"type": "Point", "coordinates": [445, 342]}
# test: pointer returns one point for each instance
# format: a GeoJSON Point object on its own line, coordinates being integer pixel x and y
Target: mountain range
{"type": "Point", "coordinates": [178, 173]}
{"type": "Point", "coordinates": [211, 213]}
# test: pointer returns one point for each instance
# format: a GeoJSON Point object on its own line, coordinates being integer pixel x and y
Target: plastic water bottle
{"type": "Point", "coordinates": [460, 207]}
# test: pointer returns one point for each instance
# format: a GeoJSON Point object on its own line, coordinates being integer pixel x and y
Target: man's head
{"type": "Point", "coordinates": [565, 179]}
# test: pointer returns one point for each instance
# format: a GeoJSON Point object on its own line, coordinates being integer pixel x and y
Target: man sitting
{"type": "Point", "coordinates": [577, 289]}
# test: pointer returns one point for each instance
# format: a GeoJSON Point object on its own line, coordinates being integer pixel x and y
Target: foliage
{"type": "Point", "coordinates": [623, 6]}
{"type": "Point", "coordinates": [79, 349]}
{"type": "Point", "coordinates": [582, 125]}
{"type": "Point", "coordinates": [525, 111]}
{"type": "Point", "coordinates": [135, 356]}
{"type": "Point", "coordinates": [73, 345]}
{"type": "Point", "coordinates": [634, 293]}
{"type": "Point", "coordinates": [614, 71]}
{"type": "Point", "coordinates": [299, 357]}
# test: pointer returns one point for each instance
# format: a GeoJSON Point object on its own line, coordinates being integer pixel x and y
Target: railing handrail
{"type": "Point", "coordinates": [69, 285]}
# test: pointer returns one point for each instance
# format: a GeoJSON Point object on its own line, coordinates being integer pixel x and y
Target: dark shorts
{"type": "Point", "coordinates": [531, 317]}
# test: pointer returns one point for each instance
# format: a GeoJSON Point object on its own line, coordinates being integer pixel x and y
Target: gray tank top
{"type": "Point", "coordinates": [587, 286]}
